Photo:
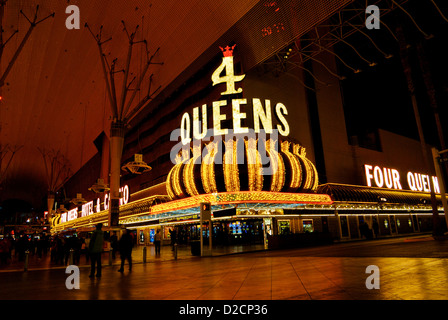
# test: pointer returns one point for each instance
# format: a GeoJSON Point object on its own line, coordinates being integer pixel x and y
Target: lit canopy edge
{"type": "Point", "coordinates": [155, 205]}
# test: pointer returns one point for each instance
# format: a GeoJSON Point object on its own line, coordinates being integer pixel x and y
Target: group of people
{"type": "Point", "coordinates": [62, 248]}
{"type": "Point", "coordinates": [123, 246]}
{"type": "Point", "coordinates": [11, 247]}
{"type": "Point", "coordinates": [5, 250]}
{"type": "Point", "coordinates": [367, 232]}
{"type": "Point", "coordinates": [69, 249]}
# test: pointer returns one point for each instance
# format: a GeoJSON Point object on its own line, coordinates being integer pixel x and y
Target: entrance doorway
{"type": "Point", "coordinates": [344, 227]}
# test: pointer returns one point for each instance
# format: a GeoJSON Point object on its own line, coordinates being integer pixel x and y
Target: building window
{"type": "Point", "coordinates": [284, 227]}
{"type": "Point", "coordinates": [307, 226]}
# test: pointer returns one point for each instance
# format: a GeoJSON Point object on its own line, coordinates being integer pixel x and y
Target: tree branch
{"type": "Point", "coordinates": [33, 24]}
{"type": "Point", "coordinates": [148, 63]}
{"type": "Point", "coordinates": [126, 70]}
{"type": "Point", "coordinates": [103, 64]}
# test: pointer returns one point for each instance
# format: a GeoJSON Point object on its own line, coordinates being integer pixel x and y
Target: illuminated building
{"type": "Point", "coordinates": [246, 84]}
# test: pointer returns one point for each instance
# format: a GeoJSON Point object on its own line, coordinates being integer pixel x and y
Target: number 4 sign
{"type": "Point", "coordinates": [230, 78]}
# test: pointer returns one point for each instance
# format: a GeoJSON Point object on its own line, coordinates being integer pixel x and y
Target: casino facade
{"type": "Point", "coordinates": [258, 126]}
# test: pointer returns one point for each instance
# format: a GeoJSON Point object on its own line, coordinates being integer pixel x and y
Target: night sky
{"type": "Point", "coordinates": [378, 97]}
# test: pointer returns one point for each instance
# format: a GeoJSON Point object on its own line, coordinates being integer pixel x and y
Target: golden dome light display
{"type": "Point", "coordinates": [239, 168]}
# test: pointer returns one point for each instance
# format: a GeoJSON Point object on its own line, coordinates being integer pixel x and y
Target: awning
{"type": "Point", "coordinates": [364, 194]}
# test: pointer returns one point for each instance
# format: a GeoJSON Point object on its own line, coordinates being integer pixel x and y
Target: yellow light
{"type": "Point", "coordinates": [243, 197]}
{"type": "Point", "coordinates": [188, 172]}
{"type": "Point", "coordinates": [208, 168]}
{"type": "Point", "coordinates": [296, 170]}
{"type": "Point", "coordinates": [278, 166]}
{"type": "Point", "coordinates": [260, 115]}
{"type": "Point", "coordinates": [169, 183]}
{"type": "Point", "coordinates": [296, 174]}
{"type": "Point", "coordinates": [196, 122]}
{"type": "Point", "coordinates": [238, 115]}
{"type": "Point", "coordinates": [177, 179]}
{"type": "Point", "coordinates": [311, 180]}
{"type": "Point", "coordinates": [230, 167]}
{"type": "Point", "coordinates": [218, 117]}
{"type": "Point", "coordinates": [280, 109]}
{"type": "Point", "coordinates": [255, 176]}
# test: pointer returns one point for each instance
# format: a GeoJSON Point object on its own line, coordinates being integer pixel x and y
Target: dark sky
{"type": "Point", "coordinates": [378, 97]}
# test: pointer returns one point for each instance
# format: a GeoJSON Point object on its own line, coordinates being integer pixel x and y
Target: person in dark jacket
{"type": "Point", "coordinates": [114, 244]}
{"type": "Point", "coordinates": [125, 247]}
{"type": "Point", "coordinates": [95, 250]}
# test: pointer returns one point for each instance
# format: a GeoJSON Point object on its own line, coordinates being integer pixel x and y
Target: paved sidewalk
{"type": "Point", "coordinates": [166, 253]}
{"type": "Point", "coordinates": [322, 273]}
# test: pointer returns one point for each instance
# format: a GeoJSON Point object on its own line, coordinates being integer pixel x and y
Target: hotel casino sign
{"type": "Point", "coordinates": [217, 159]}
{"type": "Point", "coordinates": [91, 207]}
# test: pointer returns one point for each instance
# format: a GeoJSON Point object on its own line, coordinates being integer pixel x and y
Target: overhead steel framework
{"type": "Point", "coordinates": [321, 38]}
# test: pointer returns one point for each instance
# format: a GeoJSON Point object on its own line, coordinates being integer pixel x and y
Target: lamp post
{"type": "Point", "coordinates": [116, 149]}
{"type": "Point", "coordinates": [411, 88]}
{"type": "Point", "coordinates": [438, 157]}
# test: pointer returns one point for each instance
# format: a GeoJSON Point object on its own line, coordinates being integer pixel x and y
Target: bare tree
{"type": "Point", "coordinates": [33, 24]}
{"type": "Point", "coordinates": [58, 171]}
{"type": "Point", "coordinates": [124, 107]}
{"type": "Point", "coordinates": [5, 153]}
{"type": "Point", "coordinates": [7, 150]}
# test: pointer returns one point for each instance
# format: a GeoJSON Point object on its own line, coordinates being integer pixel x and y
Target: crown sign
{"type": "Point", "coordinates": [227, 51]}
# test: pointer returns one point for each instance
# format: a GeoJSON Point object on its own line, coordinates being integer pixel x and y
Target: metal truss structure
{"type": "Point", "coordinates": [323, 37]}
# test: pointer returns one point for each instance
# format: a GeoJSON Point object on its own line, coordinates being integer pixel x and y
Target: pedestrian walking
{"type": "Point", "coordinates": [77, 245]}
{"type": "Point", "coordinates": [157, 241]}
{"type": "Point", "coordinates": [114, 244]}
{"type": "Point", "coordinates": [39, 248]}
{"type": "Point", "coordinates": [125, 247]}
{"type": "Point", "coordinates": [67, 246]}
{"type": "Point", "coordinates": [60, 250]}
{"type": "Point", "coordinates": [22, 246]}
{"type": "Point", "coordinates": [173, 236]}
{"type": "Point", "coordinates": [95, 250]}
{"type": "Point", "coordinates": [376, 228]}
{"type": "Point", "coordinates": [87, 244]}
{"type": "Point", "coordinates": [3, 252]}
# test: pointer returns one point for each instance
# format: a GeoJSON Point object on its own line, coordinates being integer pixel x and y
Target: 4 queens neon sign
{"type": "Point", "coordinates": [195, 126]}
{"type": "Point", "coordinates": [92, 207]}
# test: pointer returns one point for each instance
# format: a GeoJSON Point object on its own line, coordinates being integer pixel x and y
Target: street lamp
{"type": "Point", "coordinates": [138, 166]}
{"type": "Point", "coordinates": [99, 186]}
